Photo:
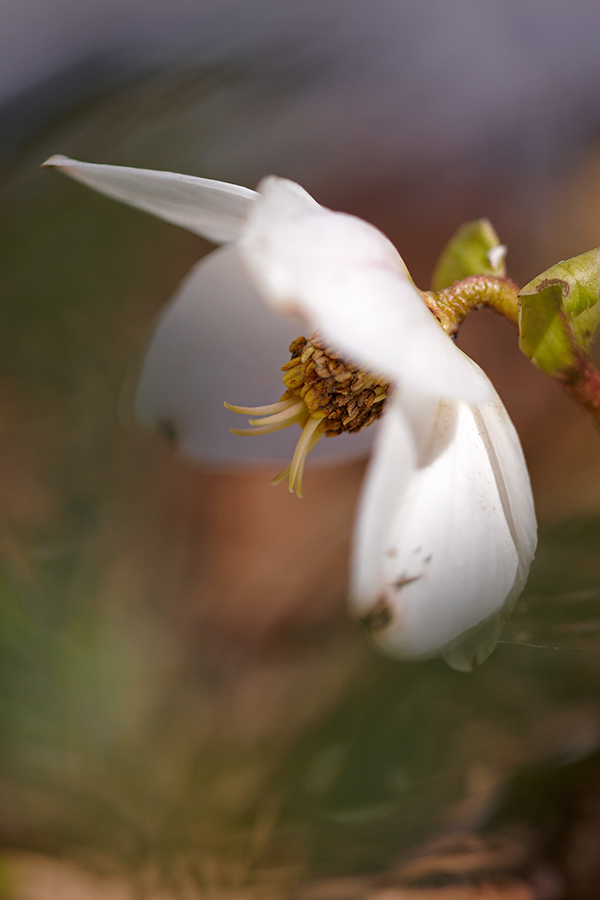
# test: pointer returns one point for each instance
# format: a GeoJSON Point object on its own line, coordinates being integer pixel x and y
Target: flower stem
{"type": "Point", "coordinates": [452, 304]}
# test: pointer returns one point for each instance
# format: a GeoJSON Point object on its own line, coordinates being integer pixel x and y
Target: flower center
{"type": "Point", "coordinates": [325, 395]}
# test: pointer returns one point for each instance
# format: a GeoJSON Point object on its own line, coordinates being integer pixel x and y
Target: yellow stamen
{"type": "Point", "coordinates": [274, 426]}
{"type": "Point", "coordinates": [302, 450]}
{"type": "Point", "coordinates": [284, 415]}
{"type": "Point", "coordinates": [325, 395]}
{"type": "Point", "coordinates": [262, 410]}
{"type": "Point", "coordinates": [281, 475]}
{"type": "Point", "coordinates": [314, 440]}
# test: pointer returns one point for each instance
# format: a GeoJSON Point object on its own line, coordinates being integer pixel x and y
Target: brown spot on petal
{"type": "Point", "coordinates": [404, 580]}
{"type": "Point", "coordinates": [378, 617]}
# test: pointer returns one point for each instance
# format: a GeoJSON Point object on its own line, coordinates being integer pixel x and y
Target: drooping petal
{"type": "Point", "coordinates": [215, 341]}
{"type": "Point", "coordinates": [514, 489]}
{"type": "Point", "coordinates": [454, 553]}
{"type": "Point", "coordinates": [349, 282]}
{"type": "Point", "coordinates": [213, 209]}
{"type": "Point", "coordinates": [392, 465]}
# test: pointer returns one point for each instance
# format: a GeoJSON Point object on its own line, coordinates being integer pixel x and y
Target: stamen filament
{"type": "Point", "coordinates": [281, 475]}
{"type": "Point", "coordinates": [276, 426]}
{"type": "Point", "coordinates": [262, 410]}
{"type": "Point", "coordinates": [286, 415]}
{"type": "Point", "coordinates": [316, 437]}
{"type": "Point", "coordinates": [300, 454]}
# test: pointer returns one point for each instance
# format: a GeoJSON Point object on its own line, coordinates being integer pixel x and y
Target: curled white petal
{"type": "Point", "coordinates": [454, 552]}
{"type": "Point", "coordinates": [213, 209]}
{"type": "Point", "coordinates": [349, 282]}
{"type": "Point", "coordinates": [216, 340]}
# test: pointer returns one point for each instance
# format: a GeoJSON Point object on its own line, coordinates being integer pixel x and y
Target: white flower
{"type": "Point", "coordinates": [446, 528]}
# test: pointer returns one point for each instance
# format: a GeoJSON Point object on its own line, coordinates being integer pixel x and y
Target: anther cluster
{"type": "Point", "coordinates": [342, 396]}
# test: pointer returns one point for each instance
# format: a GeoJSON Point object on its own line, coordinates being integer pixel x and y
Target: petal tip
{"type": "Point", "coordinates": [56, 162]}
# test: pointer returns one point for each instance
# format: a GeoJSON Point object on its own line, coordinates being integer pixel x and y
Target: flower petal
{"type": "Point", "coordinates": [349, 282]}
{"type": "Point", "coordinates": [392, 465]}
{"type": "Point", "coordinates": [514, 489]}
{"type": "Point", "coordinates": [215, 341]}
{"type": "Point", "coordinates": [454, 553]}
{"type": "Point", "coordinates": [213, 209]}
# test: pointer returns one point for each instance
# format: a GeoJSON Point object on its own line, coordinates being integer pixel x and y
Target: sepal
{"type": "Point", "coordinates": [559, 314]}
{"type": "Point", "coordinates": [475, 249]}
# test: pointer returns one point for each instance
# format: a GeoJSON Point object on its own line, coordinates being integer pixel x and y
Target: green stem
{"type": "Point", "coordinates": [452, 304]}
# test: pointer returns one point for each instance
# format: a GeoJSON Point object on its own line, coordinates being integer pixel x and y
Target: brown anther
{"type": "Point", "coordinates": [324, 394]}
{"type": "Point", "coordinates": [340, 394]}
{"type": "Point", "coordinates": [297, 346]}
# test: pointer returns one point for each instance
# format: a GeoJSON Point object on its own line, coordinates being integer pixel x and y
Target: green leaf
{"type": "Point", "coordinates": [475, 249]}
{"type": "Point", "coordinates": [559, 313]}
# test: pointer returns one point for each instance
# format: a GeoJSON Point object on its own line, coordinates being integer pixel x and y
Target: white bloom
{"type": "Point", "coordinates": [446, 528]}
